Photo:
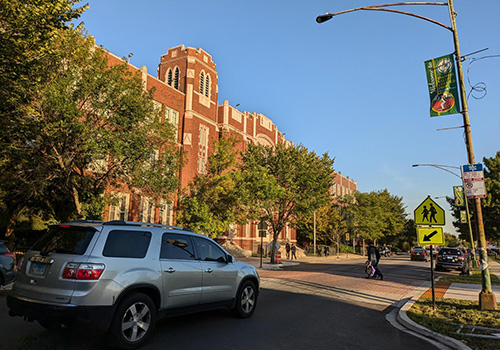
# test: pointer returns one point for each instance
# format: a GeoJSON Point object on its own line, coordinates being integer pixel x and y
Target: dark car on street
{"type": "Point", "coordinates": [451, 258]}
{"type": "Point", "coordinates": [7, 265]}
{"type": "Point", "coordinates": [419, 253]}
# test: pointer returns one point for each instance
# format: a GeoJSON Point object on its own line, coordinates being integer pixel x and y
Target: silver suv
{"type": "Point", "coordinates": [122, 276]}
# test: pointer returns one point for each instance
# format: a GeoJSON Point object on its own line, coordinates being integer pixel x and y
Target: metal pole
{"type": "Point", "coordinates": [485, 271]}
{"type": "Point", "coordinates": [468, 220]}
{"type": "Point", "coordinates": [314, 231]}
{"type": "Point", "coordinates": [261, 246]}
{"type": "Point", "coordinates": [432, 280]}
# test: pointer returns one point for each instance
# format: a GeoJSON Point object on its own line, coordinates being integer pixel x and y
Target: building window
{"type": "Point", "coordinates": [207, 86]}
{"type": "Point", "coordinates": [172, 116]}
{"type": "Point", "coordinates": [147, 209]}
{"type": "Point", "coordinates": [166, 212]}
{"type": "Point", "coordinates": [202, 82]}
{"type": "Point", "coordinates": [203, 149]}
{"type": "Point", "coordinates": [118, 210]}
{"type": "Point", "coordinates": [169, 77]}
{"type": "Point", "coordinates": [176, 78]}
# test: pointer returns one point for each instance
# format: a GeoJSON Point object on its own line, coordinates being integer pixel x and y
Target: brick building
{"type": "Point", "coordinates": [186, 91]}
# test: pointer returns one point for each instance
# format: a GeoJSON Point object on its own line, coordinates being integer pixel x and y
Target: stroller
{"type": "Point", "coordinates": [369, 269]}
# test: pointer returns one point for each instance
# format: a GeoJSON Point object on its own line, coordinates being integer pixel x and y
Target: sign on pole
{"type": "Point", "coordinates": [429, 213]}
{"type": "Point", "coordinates": [430, 235]}
{"type": "Point", "coordinates": [459, 196]}
{"type": "Point", "coordinates": [442, 83]}
{"type": "Point", "coordinates": [473, 176]}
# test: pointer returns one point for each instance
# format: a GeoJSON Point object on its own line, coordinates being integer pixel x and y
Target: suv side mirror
{"type": "Point", "coordinates": [230, 259]}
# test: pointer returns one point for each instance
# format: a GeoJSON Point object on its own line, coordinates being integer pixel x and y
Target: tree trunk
{"type": "Point", "coordinates": [9, 230]}
{"type": "Point", "coordinates": [78, 205]}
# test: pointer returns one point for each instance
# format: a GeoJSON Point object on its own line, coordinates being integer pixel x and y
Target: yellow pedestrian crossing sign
{"type": "Point", "coordinates": [429, 213]}
{"type": "Point", "coordinates": [430, 236]}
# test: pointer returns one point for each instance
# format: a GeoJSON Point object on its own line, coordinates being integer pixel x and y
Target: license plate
{"type": "Point", "coordinates": [38, 269]}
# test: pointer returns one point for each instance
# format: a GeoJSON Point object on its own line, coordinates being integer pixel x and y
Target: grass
{"type": "Point", "coordinates": [451, 313]}
{"type": "Point", "coordinates": [474, 279]}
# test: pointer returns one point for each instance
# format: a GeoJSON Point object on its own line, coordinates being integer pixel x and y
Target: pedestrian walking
{"type": "Point", "coordinates": [294, 249]}
{"type": "Point", "coordinates": [327, 251]}
{"type": "Point", "coordinates": [374, 258]}
{"type": "Point", "coordinates": [287, 249]}
{"type": "Point", "coordinates": [318, 250]}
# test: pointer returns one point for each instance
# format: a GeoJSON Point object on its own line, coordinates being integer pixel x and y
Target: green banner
{"type": "Point", "coordinates": [459, 196]}
{"type": "Point", "coordinates": [442, 83]}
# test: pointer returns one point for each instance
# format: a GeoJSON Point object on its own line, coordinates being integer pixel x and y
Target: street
{"type": "Point", "coordinates": [321, 305]}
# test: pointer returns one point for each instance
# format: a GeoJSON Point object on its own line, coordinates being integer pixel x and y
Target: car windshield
{"type": "Point", "coordinates": [450, 251]}
{"type": "Point", "coordinates": [65, 240]}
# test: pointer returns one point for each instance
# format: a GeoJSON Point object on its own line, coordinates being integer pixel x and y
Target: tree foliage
{"type": "Point", "coordinates": [214, 200]}
{"type": "Point", "coordinates": [491, 204]}
{"type": "Point", "coordinates": [86, 126]}
{"type": "Point", "coordinates": [379, 215]}
{"type": "Point", "coordinates": [284, 183]}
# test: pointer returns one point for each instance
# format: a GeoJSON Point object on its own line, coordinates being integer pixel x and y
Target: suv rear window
{"type": "Point", "coordinates": [65, 240]}
{"type": "Point", "coordinates": [451, 251]}
{"type": "Point", "coordinates": [127, 244]}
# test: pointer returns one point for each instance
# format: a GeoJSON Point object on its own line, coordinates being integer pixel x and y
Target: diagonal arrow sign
{"type": "Point", "coordinates": [427, 238]}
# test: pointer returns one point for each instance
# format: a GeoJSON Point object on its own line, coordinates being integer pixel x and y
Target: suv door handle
{"type": "Point", "coordinates": [170, 270]}
{"type": "Point", "coordinates": [209, 270]}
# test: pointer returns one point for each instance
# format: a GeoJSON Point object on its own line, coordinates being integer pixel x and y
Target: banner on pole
{"type": "Point", "coordinates": [442, 83]}
{"type": "Point", "coordinates": [459, 196]}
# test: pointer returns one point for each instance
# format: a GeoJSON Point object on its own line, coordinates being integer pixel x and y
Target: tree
{"type": "Point", "coordinates": [285, 182]}
{"type": "Point", "coordinates": [491, 204]}
{"type": "Point", "coordinates": [89, 126]}
{"type": "Point", "coordinates": [214, 200]}
{"type": "Point", "coordinates": [379, 215]}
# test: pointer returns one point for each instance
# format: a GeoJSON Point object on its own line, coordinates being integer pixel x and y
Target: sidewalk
{"type": "Point", "coordinates": [465, 291]}
{"type": "Point", "coordinates": [444, 290]}
{"type": "Point", "coordinates": [255, 261]}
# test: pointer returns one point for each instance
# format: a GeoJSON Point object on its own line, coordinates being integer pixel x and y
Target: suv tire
{"type": "Point", "coordinates": [134, 321]}
{"type": "Point", "coordinates": [246, 300]}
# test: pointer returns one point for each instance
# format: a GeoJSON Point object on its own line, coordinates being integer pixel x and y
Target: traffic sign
{"type": "Point", "coordinates": [430, 235]}
{"type": "Point", "coordinates": [473, 176]}
{"type": "Point", "coordinates": [429, 213]}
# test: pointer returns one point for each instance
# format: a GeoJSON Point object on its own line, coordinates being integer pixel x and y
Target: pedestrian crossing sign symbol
{"type": "Point", "coordinates": [430, 236]}
{"type": "Point", "coordinates": [429, 213]}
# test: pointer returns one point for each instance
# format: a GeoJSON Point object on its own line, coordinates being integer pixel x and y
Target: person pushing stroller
{"type": "Point", "coordinates": [373, 259]}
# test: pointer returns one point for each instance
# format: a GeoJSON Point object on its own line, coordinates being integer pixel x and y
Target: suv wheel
{"type": "Point", "coordinates": [246, 300]}
{"type": "Point", "coordinates": [134, 321]}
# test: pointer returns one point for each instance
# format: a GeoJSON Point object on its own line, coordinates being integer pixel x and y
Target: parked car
{"type": "Point", "coordinates": [122, 276]}
{"type": "Point", "coordinates": [7, 265]}
{"type": "Point", "coordinates": [419, 253]}
{"type": "Point", "coordinates": [451, 258]}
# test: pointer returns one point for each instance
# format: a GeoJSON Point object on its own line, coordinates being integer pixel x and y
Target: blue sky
{"type": "Point", "coordinates": [354, 87]}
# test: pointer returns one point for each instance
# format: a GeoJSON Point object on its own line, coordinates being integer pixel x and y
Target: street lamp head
{"type": "Point", "coordinates": [324, 18]}
{"type": "Point", "coordinates": [415, 165]}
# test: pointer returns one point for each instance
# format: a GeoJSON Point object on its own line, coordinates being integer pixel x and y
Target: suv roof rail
{"type": "Point", "coordinates": [144, 224]}
{"type": "Point", "coordinates": [82, 221]}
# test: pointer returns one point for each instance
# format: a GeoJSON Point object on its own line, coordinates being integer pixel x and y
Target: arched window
{"type": "Point", "coordinates": [207, 86]}
{"type": "Point", "coordinates": [169, 76]}
{"type": "Point", "coordinates": [176, 78]}
{"type": "Point", "coordinates": [202, 82]}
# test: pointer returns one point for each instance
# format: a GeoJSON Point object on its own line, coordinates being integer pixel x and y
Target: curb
{"type": "Point", "coordinates": [405, 321]}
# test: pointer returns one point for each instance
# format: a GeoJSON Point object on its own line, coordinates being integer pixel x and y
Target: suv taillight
{"type": "Point", "coordinates": [83, 271]}
{"type": "Point", "coordinates": [10, 255]}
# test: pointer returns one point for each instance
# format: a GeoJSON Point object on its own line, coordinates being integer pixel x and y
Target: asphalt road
{"type": "Point", "coordinates": [322, 306]}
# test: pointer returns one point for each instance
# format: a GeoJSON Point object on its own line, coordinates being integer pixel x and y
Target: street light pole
{"type": "Point", "coordinates": [487, 299]}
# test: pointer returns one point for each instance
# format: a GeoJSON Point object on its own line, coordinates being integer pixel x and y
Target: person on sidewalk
{"type": "Point", "coordinates": [318, 250]}
{"type": "Point", "coordinates": [374, 258]}
{"type": "Point", "coordinates": [287, 248]}
{"type": "Point", "coordinates": [327, 251]}
{"type": "Point", "coordinates": [294, 250]}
